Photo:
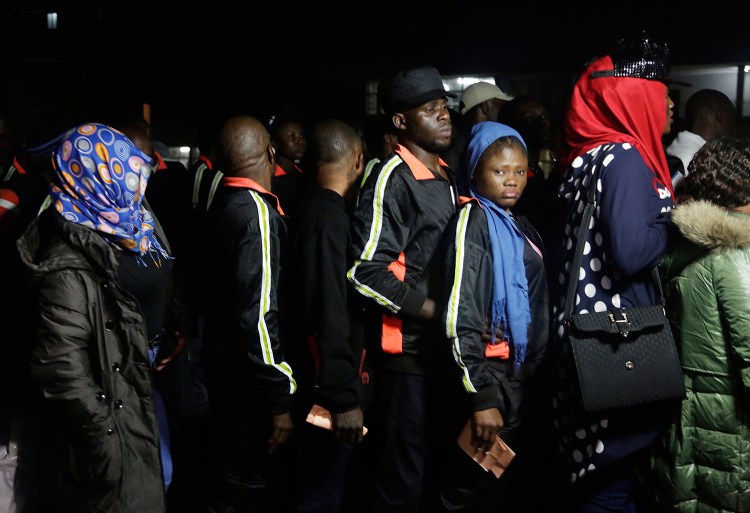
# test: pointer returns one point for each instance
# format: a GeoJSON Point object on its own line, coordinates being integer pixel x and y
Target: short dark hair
{"type": "Point", "coordinates": [707, 101]}
{"type": "Point", "coordinates": [720, 172]}
{"type": "Point", "coordinates": [331, 140]}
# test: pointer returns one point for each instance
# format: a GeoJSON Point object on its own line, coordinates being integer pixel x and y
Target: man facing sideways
{"type": "Point", "coordinates": [709, 114]}
{"type": "Point", "coordinates": [327, 344]}
{"type": "Point", "coordinates": [249, 383]}
{"type": "Point", "coordinates": [402, 211]}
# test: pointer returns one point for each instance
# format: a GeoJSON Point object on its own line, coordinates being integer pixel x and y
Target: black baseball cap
{"type": "Point", "coordinates": [410, 88]}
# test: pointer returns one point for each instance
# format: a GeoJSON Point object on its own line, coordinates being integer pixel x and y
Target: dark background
{"type": "Point", "coordinates": [197, 61]}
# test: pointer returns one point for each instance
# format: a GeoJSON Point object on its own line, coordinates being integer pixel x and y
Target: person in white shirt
{"type": "Point", "coordinates": [709, 114]}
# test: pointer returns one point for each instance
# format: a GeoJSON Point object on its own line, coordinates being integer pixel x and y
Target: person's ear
{"type": "Point", "coordinates": [359, 162]}
{"type": "Point", "coordinates": [399, 121]}
{"type": "Point", "coordinates": [271, 154]}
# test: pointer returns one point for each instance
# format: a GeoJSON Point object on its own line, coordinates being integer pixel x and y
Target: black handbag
{"type": "Point", "coordinates": [625, 356]}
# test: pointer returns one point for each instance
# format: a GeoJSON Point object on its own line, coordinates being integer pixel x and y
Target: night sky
{"type": "Point", "coordinates": [203, 57]}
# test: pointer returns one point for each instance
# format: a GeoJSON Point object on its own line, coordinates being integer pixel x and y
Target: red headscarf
{"type": "Point", "coordinates": [610, 109]}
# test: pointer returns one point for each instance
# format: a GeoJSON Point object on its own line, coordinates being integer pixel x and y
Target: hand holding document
{"type": "Point", "coordinates": [496, 460]}
{"type": "Point", "coordinates": [321, 417]}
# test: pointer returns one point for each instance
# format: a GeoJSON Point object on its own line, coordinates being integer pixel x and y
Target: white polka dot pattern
{"type": "Point", "coordinates": [598, 290]}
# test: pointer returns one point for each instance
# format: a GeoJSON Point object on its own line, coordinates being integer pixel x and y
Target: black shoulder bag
{"type": "Point", "coordinates": [625, 356]}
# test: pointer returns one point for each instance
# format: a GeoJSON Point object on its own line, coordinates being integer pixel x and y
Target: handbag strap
{"type": "Point", "coordinates": [583, 230]}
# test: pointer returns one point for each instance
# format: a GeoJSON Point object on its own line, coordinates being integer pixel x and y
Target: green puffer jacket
{"type": "Point", "coordinates": [702, 464]}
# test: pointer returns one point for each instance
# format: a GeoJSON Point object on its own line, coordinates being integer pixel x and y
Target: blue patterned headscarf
{"type": "Point", "coordinates": [102, 179]}
{"type": "Point", "coordinates": [510, 291]}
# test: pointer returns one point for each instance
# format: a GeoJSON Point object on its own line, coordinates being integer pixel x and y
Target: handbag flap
{"type": "Point", "coordinates": [620, 320]}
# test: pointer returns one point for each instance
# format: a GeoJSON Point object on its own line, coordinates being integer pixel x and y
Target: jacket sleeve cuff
{"type": "Point", "coordinates": [280, 404]}
{"type": "Point", "coordinates": [486, 398]}
{"type": "Point", "coordinates": [413, 302]}
{"type": "Point", "coordinates": [344, 399]}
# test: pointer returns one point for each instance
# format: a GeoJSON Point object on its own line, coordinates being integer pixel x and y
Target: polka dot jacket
{"type": "Point", "coordinates": [628, 235]}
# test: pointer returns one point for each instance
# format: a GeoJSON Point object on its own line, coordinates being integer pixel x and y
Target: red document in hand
{"type": "Point", "coordinates": [496, 460]}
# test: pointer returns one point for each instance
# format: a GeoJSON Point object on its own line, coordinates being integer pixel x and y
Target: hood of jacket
{"type": "Point", "coordinates": [711, 226]}
{"type": "Point", "coordinates": [50, 244]}
{"type": "Point", "coordinates": [705, 227]}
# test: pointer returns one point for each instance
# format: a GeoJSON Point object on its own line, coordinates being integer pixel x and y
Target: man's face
{"type": "Point", "coordinates": [290, 141]}
{"type": "Point", "coordinates": [429, 125]}
{"type": "Point", "coordinates": [493, 108]}
{"type": "Point", "coordinates": [536, 122]}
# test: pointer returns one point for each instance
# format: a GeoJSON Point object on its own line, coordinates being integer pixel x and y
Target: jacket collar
{"type": "Point", "coordinates": [86, 249]}
{"type": "Point", "coordinates": [418, 169]}
{"type": "Point", "coordinates": [160, 165]}
{"type": "Point", "coordinates": [241, 182]}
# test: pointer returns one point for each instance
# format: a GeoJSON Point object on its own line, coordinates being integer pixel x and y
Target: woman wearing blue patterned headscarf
{"type": "Point", "coordinates": [496, 285]}
{"type": "Point", "coordinates": [102, 182]}
{"type": "Point", "coordinates": [102, 273]}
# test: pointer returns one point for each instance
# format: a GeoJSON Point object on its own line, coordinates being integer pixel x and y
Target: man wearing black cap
{"type": "Point", "coordinates": [403, 208]}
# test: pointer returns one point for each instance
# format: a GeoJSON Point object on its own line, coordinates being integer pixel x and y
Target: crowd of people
{"type": "Point", "coordinates": [308, 317]}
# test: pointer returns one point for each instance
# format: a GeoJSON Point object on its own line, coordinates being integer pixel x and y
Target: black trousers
{"type": "Point", "coordinates": [322, 467]}
{"type": "Point", "coordinates": [399, 444]}
{"type": "Point", "coordinates": [242, 476]}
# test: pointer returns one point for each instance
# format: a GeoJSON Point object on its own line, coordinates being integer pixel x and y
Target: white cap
{"type": "Point", "coordinates": [480, 92]}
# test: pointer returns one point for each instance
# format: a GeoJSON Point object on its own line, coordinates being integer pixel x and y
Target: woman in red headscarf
{"type": "Point", "coordinates": [619, 110]}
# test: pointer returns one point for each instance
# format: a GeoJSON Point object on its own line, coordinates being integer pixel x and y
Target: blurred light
{"type": "Point", "coordinates": [52, 20]}
{"type": "Point", "coordinates": [747, 68]}
{"type": "Point", "coordinates": [147, 115]}
{"type": "Point", "coordinates": [184, 150]}
{"type": "Point", "coordinates": [467, 81]}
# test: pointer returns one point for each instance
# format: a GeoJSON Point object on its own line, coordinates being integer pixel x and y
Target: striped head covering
{"type": "Point", "coordinates": [102, 179]}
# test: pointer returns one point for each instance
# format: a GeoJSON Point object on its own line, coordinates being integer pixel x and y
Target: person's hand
{"type": "Point", "coordinates": [281, 428]}
{"type": "Point", "coordinates": [428, 309]}
{"type": "Point", "coordinates": [180, 342]}
{"type": "Point", "coordinates": [485, 426]}
{"type": "Point", "coordinates": [347, 425]}
{"type": "Point", "coordinates": [487, 335]}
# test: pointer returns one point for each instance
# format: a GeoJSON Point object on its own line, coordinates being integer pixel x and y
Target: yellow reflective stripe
{"type": "Point", "coordinates": [368, 169]}
{"type": "Point", "coordinates": [368, 292]}
{"type": "Point", "coordinates": [265, 292]}
{"type": "Point", "coordinates": [46, 203]}
{"type": "Point", "coordinates": [197, 183]}
{"type": "Point", "coordinates": [214, 185]}
{"type": "Point", "coordinates": [455, 296]}
{"type": "Point", "coordinates": [377, 208]}
{"type": "Point", "coordinates": [372, 242]}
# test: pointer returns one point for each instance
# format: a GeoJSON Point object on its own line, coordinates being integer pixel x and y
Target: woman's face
{"type": "Point", "coordinates": [500, 175]}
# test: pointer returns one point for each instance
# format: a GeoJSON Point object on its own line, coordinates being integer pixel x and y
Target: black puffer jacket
{"type": "Point", "coordinates": [90, 362]}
